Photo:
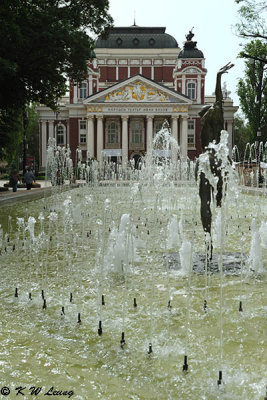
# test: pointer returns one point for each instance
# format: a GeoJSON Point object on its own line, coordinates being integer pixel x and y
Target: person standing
{"type": "Point", "coordinates": [13, 180]}
{"type": "Point", "coordinates": [28, 178]}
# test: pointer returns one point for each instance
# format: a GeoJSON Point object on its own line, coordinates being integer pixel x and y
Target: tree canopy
{"type": "Point", "coordinates": [42, 43]}
{"type": "Point", "coordinates": [252, 89]}
{"type": "Point", "coordinates": [252, 15]}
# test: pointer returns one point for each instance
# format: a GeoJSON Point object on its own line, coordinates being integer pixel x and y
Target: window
{"type": "Point", "coordinates": [191, 133]}
{"type": "Point", "coordinates": [82, 125]}
{"type": "Point", "coordinates": [82, 138]}
{"type": "Point", "coordinates": [112, 132]}
{"type": "Point", "coordinates": [82, 131]}
{"type": "Point", "coordinates": [137, 128]}
{"type": "Point", "coordinates": [191, 90]}
{"type": "Point", "coordinates": [83, 90]}
{"type": "Point", "coordinates": [60, 135]}
{"type": "Point", "coordinates": [158, 125]}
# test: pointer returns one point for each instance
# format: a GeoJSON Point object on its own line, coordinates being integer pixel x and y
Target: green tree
{"type": "Point", "coordinates": [242, 135]}
{"type": "Point", "coordinates": [252, 89]}
{"type": "Point", "coordinates": [252, 14]}
{"type": "Point", "coordinates": [43, 43]}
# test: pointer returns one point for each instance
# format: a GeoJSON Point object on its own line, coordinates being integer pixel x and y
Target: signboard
{"type": "Point", "coordinates": [112, 152]}
{"type": "Point", "coordinates": [162, 153]}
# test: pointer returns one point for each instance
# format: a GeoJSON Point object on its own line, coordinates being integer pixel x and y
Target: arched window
{"type": "Point", "coordinates": [191, 90]}
{"type": "Point", "coordinates": [83, 90]}
{"type": "Point", "coordinates": [112, 132]}
{"type": "Point", "coordinates": [60, 135]}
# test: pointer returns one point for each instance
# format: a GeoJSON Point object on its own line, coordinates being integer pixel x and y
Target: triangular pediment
{"type": "Point", "coordinates": [138, 89]}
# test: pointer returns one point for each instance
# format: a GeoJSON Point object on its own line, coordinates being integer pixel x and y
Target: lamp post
{"type": "Point", "coordinates": [25, 123]}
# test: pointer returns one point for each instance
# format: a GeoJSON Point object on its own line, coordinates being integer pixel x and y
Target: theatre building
{"type": "Point", "coordinates": [137, 78]}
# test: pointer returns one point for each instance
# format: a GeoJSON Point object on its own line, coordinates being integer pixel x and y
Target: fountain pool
{"type": "Point", "coordinates": [102, 253]}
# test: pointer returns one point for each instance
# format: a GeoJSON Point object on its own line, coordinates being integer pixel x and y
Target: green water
{"type": "Point", "coordinates": [45, 349]}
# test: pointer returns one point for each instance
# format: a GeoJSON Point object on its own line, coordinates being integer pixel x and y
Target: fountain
{"type": "Point", "coordinates": [118, 273]}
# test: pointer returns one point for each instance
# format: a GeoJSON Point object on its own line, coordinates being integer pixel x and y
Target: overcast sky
{"type": "Point", "coordinates": [213, 22]}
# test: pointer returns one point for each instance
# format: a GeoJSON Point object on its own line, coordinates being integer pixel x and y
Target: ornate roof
{"type": "Point", "coordinates": [190, 50]}
{"type": "Point", "coordinates": [137, 37]}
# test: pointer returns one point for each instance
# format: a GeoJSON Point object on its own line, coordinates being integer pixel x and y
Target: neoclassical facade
{"type": "Point", "coordinates": [137, 79]}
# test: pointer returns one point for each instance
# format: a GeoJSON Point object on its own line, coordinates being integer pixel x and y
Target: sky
{"type": "Point", "coordinates": [213, 22]}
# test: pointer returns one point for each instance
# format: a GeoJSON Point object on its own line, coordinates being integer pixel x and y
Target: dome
{"type": "Point", "coordinates": [137, 37]}
{"type": "Point", "coordinates": [191, 53]}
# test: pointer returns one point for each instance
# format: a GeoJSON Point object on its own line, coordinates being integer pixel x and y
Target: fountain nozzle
{"type": "Point", "coordinates": [122, 340]}
{"type": "Point", "coordinates": [185, 366]}
{"type": "Point", "coordinates": [100, 328]}
{"type": "Point", "coordinates": [219, 382]}
{"type": "Point", "coordinates": [150, 348]}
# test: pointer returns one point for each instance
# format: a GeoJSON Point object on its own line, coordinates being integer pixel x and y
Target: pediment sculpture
{"type": "Point", "coordinates": [137, 92]}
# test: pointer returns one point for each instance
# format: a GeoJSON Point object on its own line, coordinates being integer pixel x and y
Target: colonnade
{"type": "Point", "coordinates": [175, 120]}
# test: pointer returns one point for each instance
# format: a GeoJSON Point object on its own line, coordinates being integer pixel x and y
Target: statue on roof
{"type": "Point", "coordinates": [190, 35]}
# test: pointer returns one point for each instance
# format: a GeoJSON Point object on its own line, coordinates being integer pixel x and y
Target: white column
{"type": "Point", "coordinates": [117, 72]}
{"type": "Point", "coordinates": [75, 94]}
{"type": "Point", "coordinates": [152, 72]}
{"type": "Point", "coordinates": [90, 85]}
{"type": "Point", "coordinates": [124, 140]}
{"type": "Point", "coordinates": [99, 148]}
{"type": "Point", "coordinates": [149, 133]}
{"type": "Point", "coordinates": [174, 129]}
{"type": "Point", "coordinates": [44, 143]}
{"type": "Point", "coordinates": [51, 129]}
{"type": "Point", "coordinates": [90, 135]}
{"type": "Point", "coordinates": [183, 143]}
{"type": "Point", "coordinates": [183, 84]}
{"type": "Point", "coordinates": [230, 137]}
{"type": "Point", "coordinates": [199, 89]}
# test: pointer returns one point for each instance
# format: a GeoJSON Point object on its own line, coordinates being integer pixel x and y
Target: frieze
{"type": "Point", "coordinates": [179, 109]}
{"type": "Point", "coordinates": [137, 92]}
